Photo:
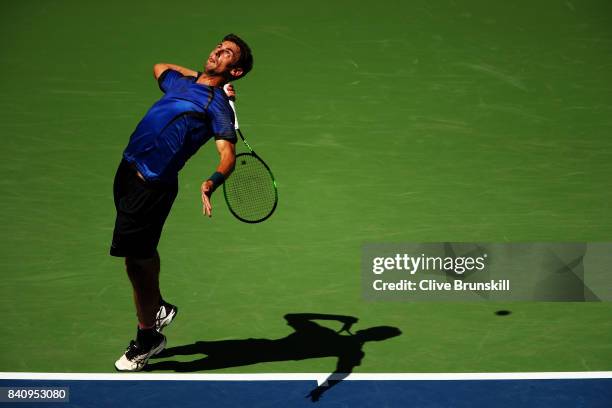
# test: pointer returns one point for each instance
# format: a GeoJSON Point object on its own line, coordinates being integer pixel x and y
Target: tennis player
{"type": "Point", "coordinates": [193, 109]}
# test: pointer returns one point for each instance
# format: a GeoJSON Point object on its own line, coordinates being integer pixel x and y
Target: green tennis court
{"type": "Point", "coordinates": [472, 121]}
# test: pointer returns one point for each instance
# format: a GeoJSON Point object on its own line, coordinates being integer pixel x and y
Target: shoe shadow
{"type": "Point", "coordinates": [309, 340]}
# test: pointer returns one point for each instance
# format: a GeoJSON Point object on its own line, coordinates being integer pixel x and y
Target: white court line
{"type": "Point", "coordinates": [318, 377]}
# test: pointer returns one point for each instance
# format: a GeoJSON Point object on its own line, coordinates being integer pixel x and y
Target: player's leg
{"type": "Point", "coordinates": [144, 276]}
{"type": "Point", "coordinates": [142, 209]}
{"type": "Point", "coordinates": [151, 308]}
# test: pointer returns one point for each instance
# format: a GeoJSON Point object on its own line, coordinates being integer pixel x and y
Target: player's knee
{"type": "Point", "coordinates": [131, 264]}
{"type": "Point", "coordinates": [138, 262]}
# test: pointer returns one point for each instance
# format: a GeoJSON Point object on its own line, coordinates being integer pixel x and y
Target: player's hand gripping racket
{"type": "Point", "coordinates": [250, 191]}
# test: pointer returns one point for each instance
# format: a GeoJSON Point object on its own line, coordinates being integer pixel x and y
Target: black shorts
{"type": "Point", "coordinates": [142, 208]}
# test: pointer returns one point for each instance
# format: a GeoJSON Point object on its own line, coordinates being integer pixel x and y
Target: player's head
{"type": "Point", "coordinates": [231, 58]}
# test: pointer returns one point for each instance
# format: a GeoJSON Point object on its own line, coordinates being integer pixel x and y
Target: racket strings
{"type": "Point", "coordinates": [250, 190]}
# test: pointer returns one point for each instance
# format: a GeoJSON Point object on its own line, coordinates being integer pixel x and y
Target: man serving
{"type": "Point", "coordinates": [193, 109]}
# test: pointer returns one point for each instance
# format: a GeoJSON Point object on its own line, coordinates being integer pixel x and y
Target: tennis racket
{"type": "Point", "coordinates": [250, 191]}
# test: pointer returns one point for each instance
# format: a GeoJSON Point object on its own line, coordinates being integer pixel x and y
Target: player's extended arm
{"type": "Point", "coordinates": [227, 156]}
{"type": "Point", "coordinates": [160, 68]}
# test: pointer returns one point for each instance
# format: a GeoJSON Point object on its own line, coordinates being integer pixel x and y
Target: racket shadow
{"type": "Point", "coordinates": [309, 340]}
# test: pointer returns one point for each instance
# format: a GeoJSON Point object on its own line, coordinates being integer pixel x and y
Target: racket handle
{"type": "Point", "coordinates": [233, 105]}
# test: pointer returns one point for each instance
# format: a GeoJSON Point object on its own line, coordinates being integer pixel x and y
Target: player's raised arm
{"type": "Point", "coordinates": [227, 160]}
{"type": "Point", "coordinates": [160, 68]}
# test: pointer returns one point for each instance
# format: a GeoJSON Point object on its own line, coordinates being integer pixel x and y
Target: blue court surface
{"type": "Point", "coordinates": [429, 392]}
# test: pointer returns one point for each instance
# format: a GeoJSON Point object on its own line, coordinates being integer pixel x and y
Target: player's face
{"type": "Point", "coordinates": [222, 58]}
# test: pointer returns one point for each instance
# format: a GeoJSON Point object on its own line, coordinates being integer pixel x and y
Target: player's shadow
{"type": "Point", "coordinates": [309, 340]}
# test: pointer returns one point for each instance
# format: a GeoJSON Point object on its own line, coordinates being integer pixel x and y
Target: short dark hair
{"type": "Point", "coordinates": [246, 57]}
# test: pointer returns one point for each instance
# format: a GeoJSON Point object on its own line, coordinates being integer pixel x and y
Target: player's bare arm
{"type": "Point", "coordinates": [160, 68]}
{"type": "Point", "coordinates": [227, 160]}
